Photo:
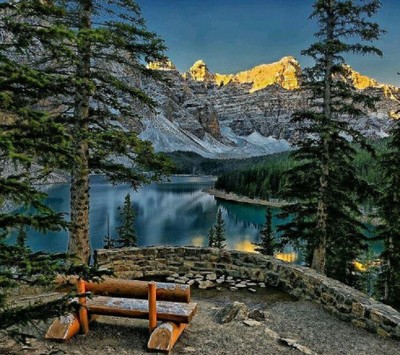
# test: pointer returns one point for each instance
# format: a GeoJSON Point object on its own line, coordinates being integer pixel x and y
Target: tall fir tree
{"type": "Point", "coordinates": [126, 231]}
{"type": "Point", "coordinates": [95, 51]}
{"type": "Point", "coordinates": [267, 245]}
{"type": "Point", "coordinates": [32, 145]}
{"type": "Point", "coordinates": [109, 242]}
{"type": "Point", "coordinates": [219, 231]}
{"type": "Point", "coordinates": [211, 237]}
{"type": "Point", "coordinates": [389, 211]}
{"type": "Point", "coordinates": [323, 186]}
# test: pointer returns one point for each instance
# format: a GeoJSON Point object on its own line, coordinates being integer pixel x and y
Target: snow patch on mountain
{"type": "Point", "coordinates": [254, 144]}
{"type": "Point", "coordinates": [167, 136]}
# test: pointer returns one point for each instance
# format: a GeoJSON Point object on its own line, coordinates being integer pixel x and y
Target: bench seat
{"type": "Point", "coordinates": [137, 308]}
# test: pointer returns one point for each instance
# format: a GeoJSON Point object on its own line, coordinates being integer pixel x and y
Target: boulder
{"type": "Point", "coordinates": [204, 285]}
{"type": "Point", "coordinates": [257, 314]}
{"type": "Point", "coordinates": [211, 277]}
{"type": "Point", "coordinates": [235, 311]}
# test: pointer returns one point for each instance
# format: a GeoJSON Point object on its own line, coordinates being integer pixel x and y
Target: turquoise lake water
{"type": "Point", "coordinates": [177, 212]}
{"type": "Point", "coordinates": [170, 213]}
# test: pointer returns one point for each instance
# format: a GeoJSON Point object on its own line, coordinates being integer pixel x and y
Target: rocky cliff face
{"type": "Point", "coordinates": [244, 114]}
{"type": "Point", "coordinates": [285, 73]}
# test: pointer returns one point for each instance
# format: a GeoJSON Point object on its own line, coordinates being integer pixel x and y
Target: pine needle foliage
{"type": "Point", "coordinates": [268, 244]}
{"type": "Point", "coordinates": [21, 238]}
{"type": "Point", "coordinates": [109, 242]}
{"type": "Point", "coordinates": [38, 269]}
{"type": "Point", "coordinates": [95, 51]}
{"type": "Point", "coordinates": [33, 144]}
{"type": "Point", "coordinates": [219, 237]}
{"type": "Point", "coordinates": [211, 237]}
{"type": "Point", "coordinates": [126, 231]}
{"type": "Point", "coordinates": [389, 211]}
{"type": "Point", "coordinates": [324, 186]}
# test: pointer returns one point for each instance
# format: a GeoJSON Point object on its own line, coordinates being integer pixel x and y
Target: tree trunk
{"type": "Point", "coordinates": [389, 294]}
{"type": "Point", "coordinates": [319, 253]}
{"type": "Point", "coordinates": [79, 243]}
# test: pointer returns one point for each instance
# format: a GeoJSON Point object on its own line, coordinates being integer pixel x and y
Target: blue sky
{"type": "Point", "coordinates": [235, 35]}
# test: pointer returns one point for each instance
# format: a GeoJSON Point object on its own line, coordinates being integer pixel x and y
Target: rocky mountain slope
{"type": "Point", "coordinates": [244, 114]}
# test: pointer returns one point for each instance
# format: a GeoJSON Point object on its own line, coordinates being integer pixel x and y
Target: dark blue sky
{"type": "Point", "coordinates": [234, 35]}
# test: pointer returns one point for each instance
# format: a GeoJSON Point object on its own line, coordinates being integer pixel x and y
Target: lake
{"type": "Point", "coordinates": [177, 212]}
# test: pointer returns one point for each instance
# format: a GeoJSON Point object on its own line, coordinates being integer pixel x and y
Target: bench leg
{"type": "Point", "coordinates": [83, 312]}
{"type": "Point", "coordinates": [165, 336]}
{"type": "Point", "coordinates": [152, 298]}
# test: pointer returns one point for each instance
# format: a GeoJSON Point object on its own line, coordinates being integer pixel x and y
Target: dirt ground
{"type": "Point", "coordinates": [308, 324]}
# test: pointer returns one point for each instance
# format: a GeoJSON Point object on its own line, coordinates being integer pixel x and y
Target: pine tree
{"type": "Point", "coordinates": [268, 244]}
{"type": "Point", "coordinates": [21, 237]}
{"type": "Point", "coordinates": [95, 51]}
{"type": "Point", "coordinates": [324, 183]}
{"type": "Point", "coordinates": [42, 102]}
{"type": "Point", "coordinates": [126, 231]}
{"type": "Point", "coordinates": [219, 231]}
{"type": "Point", "coordinates": [211, 237]}
{"type": "Point", "coordinates": [109, 242]}
{"type": "Point", "coordinates": [389, 210]}
{"type": "Point", "coordinates": [32, 145]}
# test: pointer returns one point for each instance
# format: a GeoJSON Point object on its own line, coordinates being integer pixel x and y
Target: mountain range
{"type": "Point", "coordinates": [244, 114]}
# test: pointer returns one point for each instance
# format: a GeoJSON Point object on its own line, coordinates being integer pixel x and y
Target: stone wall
{"type": "Point", "coordinates": [338, 299]}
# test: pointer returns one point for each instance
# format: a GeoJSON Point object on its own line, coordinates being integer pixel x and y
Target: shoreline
{"type": "Point", "coordinates": [242, 199]}
{"type": "Point", "coordinates": [375, 221]}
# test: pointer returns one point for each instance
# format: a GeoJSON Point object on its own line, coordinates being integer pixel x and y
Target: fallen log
{"type": "Point", "coordinates": [165, 336]}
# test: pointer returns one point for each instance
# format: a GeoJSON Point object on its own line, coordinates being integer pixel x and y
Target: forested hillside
{"type": "Point", "coordinates": [192, 163]}
{"type": "Point", "coordinates": [266, 179]}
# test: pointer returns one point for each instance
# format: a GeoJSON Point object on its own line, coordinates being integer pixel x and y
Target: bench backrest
{"type": "Point", "coordinates": [139, 289]}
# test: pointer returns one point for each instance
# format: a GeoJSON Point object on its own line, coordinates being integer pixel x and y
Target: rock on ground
{"type": "Point", "coordinates": [233, 312]}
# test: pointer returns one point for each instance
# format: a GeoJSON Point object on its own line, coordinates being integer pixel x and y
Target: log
{"type": "Point", "coordinates": [139, 289]}
{"type": "Point", "coordinates": [63, 328]}
{"type": "Point", "coordinates": [165, 336]}
{"type": "Point", "coordinates": [133, 308]}
{"type": "Point", "coordinates": [152, 306]}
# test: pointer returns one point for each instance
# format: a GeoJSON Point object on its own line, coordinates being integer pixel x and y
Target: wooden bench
{"type": "Point", "coordinates": [165, 302]}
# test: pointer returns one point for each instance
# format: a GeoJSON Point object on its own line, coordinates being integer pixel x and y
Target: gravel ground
{"type": "Point", "coordinates": [302, 321]}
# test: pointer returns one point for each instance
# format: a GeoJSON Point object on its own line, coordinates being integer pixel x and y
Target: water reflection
{"type": "Point", "coordinates": [177, 212]}
{"type": "Point", "coordinates": [246, 245]}
{"type": "Point", "coordinates": [290, 257]}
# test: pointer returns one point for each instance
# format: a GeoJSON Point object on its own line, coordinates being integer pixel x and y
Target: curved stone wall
{"type": "Point", "coordinates": [338, 299]}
